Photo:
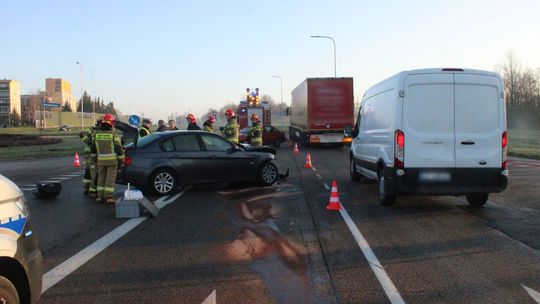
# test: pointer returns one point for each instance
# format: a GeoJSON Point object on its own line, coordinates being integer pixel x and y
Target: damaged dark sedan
{"type": "Point", "coordinates": [162, 162]}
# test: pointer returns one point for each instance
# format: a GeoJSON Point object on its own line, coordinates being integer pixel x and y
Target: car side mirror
{"type": "Point", "coordinates": [348, 131]}
{"type": "Point", "coordinates": [355, 131]}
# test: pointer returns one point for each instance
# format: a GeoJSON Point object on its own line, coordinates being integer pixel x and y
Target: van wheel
{"type": "Point", "coordinates": [477, 199]}
{"type": "Point", "coordinates": [385, 196]}
{"type": "Point", "coordinates": [8, 292]}
{"type": "Point", "coordinates": [355, 176]}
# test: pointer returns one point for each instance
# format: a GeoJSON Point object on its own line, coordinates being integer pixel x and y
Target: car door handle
{"type": "Point", "coordinates": [467, 142]}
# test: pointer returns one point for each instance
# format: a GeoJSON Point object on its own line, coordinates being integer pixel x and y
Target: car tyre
{"type": "Point", "coordinates": [477, 199]}
{"type": "Point", "coordinates": [163, 182]}
{"type": "Point", "coordinates": [268, 174]}
{"type": "Point", "coordinates": [386, 198]}
{"type": "Point", "coordinates": [355, 176]}
{"type": "Point", "coordinates": [276, 143]}
{"type": "Point", "coordinates": [8, 292]}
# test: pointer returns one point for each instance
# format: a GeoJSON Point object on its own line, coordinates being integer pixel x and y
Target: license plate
{"type": "Point", "coordinates": [431, 176]}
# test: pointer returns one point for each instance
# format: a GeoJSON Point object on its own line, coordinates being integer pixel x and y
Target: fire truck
{"type": "Point", "coordinates": [252, 104]}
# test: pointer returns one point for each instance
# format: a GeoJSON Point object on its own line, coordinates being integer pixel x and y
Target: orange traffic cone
{"type": "Point", "coordinates": [76, 162]}
{"type": "Point", "coordinates": [295, 151]}
{"type": "Point", "coordinates": [334, 198]}
{"type": "Point", "coordinates": [308, 161]}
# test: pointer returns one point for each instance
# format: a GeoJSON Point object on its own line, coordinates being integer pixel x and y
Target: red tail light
{"type": "Point", "coordinates": [127, 161]}
{"type": "Point", "coordinates": [504, 150]}
{"type": "Point", "coordinates": [399, 150]}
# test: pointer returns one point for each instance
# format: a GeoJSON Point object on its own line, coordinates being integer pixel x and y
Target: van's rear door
{"type": "Point", "coordinates": [428, 121]}
{"type": "Point", "coordinates": [479, 121]}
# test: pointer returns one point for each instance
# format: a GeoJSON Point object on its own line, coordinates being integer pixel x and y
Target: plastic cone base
{"type": "Point", "coordinates": [333, 206]}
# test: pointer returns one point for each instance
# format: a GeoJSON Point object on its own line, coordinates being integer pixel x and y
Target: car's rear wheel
{"type": "Point", "coordinates": [276, 143]}
{"type": "Point", "coordinates": [268, 174]}
{"type": "Point", "coordinates": [163, 182]}
{"type": "Point", "coordinates": [477, 199]}
{"type": "Point", "coordinates": [8, 292]}
{"type": "Point", "coordinates": [386, 198]}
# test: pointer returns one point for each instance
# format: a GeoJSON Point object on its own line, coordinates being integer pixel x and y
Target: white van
{"type": "Point", "coordinates": [433, 132]}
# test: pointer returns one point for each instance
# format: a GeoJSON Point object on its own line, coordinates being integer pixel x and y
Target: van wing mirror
{"type": "Point", "coordinates": [354, 131]}
{"type": "Point", "coordinates": [347, 132]}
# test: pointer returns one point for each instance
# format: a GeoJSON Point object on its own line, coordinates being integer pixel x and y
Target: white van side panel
{"type": "Point", "coordinates": [480, 121]}
{"type": "Point", "coordinates": [377, 125]}
{"type": "Point", "coordinates": [428, 121]}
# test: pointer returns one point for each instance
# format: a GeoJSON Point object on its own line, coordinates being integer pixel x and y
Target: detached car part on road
{"type": "Point", "coordinates": [161, 162]}
{"type": "Point", "coordinates": [20, 258]}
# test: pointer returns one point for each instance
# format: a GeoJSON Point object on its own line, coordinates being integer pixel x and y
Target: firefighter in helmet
{"type": "Point", "coordinates": [255, 132]}
{"type": "Point", "coordinates": [208, 125]}
{"type": "Point", "coordinates": [145, 128]}
{"type": "Point", "coordinates": [108, 156]}
{"type": "Point", "coordinates": [192, 122]}
{"type": "Point", "coordinates": [87, 137]}
{"type": "Point", "coordinates": [230, 130]}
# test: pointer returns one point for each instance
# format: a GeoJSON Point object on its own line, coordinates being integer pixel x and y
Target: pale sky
{"type": "Point", "coordinates": [160, 57]}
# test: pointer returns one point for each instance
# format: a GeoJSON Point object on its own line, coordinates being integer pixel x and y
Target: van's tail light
{"type": "Point", "coordinates": [127, 161]}
{"type": "Point", "coordinates": [399, 150]}
{"type": "Point", "coordinates": [504, 150]}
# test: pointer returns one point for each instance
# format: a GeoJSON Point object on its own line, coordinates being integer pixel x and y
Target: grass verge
{"type": "Point", "coordinates": [524, 143]}
{"type": "Point", "coordinates": [68, 146]}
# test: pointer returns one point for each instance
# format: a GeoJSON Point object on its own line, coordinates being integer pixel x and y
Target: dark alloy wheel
{"type": "Point", "coordinates": [163, 182]}
{"type": "Point", "coordinates": [385, 196]}
{"type": "Point", "coordinates": [8, 292]}
{"type": "Point", "coordinates": [268, 174]}
{"type": "Point", "coordinates": [477, 199]}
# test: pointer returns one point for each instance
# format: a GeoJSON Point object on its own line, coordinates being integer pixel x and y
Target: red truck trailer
{"type": "Point", "coordinates": [321, 108]}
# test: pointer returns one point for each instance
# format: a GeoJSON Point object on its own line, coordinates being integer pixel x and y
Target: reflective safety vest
{"type": "Point", "coordinates": [230, 131]}
{"type": "Point", "coordinates": [107, 149]}
{"type": "Point", "coordinates": [255, 133]}
{"type": "Point", "coordinates": [143, 132]}
{"type": "Point", "coordinates": [208, 128]}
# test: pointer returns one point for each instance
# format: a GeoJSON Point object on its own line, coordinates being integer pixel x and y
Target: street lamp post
{"type": "Point", "coordinates": [82, 100]}
{"type": "Point", "coordinates": [328, 37]}
{"type": "Point", "coordinates": [281, 86]}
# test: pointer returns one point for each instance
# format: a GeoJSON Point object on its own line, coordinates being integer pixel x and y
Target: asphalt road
{"type": "Point", "coordinates": [280, 245]}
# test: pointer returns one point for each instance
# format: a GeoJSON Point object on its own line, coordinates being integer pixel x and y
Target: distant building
{"type": "Point", "coordinates": [10, 99]}
{"type": "Point", "coordinates": [59, 91]}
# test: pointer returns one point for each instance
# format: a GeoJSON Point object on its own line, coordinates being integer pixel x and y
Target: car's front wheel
{"type": "Point", "coordinates": [268, 174]}
{"type": "Point", "coordinates": [163, 182]}
{"type": "Point", "coordinates": [352, 170]}
{"type": "Point", "coordinates": [8, 292]}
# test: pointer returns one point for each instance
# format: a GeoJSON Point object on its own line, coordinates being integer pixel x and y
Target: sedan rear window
{"type": "Point", "coordinates": [187, 142]}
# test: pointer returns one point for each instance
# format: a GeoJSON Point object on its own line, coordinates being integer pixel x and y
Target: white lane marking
{"type": "Point", "coordinates": [533, 293]}
{"type": "Point", "coordinates": [391, 291]}
{"type": "Point", "coordinates": [326, 186]}
{"type": "Point", "coordinates": [61, 271]}
{"type": "Point", "coordinates": [211, 299]}
{"type": "Point", "coordinates": [47, 181]}
{"type": "Point", "coordinates": [313, 168]}
{"type": "Point", "coordinates": [318, 176]}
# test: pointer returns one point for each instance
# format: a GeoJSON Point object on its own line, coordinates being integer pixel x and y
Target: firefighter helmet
{"type": "Point", "coordinates": [211, 118]}
{"type": "Point", "coordinates": [254, 117]}
{"type": "Point", "coordinates": [108, 119]}
{"type": "Point", "coordinates": [191, 118]}
{"type": "Point", "coordinates": [229, 113]}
